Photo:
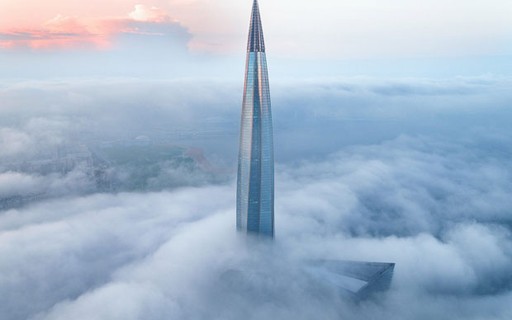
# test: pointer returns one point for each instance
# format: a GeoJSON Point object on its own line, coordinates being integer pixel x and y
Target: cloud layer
{"type": "Point", "coordinates": [415, 172]}
{"type": "Point", "coordinates": [162, 254]}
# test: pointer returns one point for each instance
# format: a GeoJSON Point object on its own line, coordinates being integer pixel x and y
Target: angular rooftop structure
{"type": "Point", "coordinates": [265, 280]}
{"type": "Point", "coordinates": [358, 280]}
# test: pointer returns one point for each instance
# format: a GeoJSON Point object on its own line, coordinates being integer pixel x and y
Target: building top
{"type": "Point", "coordinates": [256, 42]}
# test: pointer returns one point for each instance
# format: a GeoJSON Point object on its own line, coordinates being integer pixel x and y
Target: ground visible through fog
{"type": "Point", "coordinates": [121, 206]}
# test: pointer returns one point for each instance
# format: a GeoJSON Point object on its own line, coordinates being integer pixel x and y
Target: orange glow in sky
{"type": "Point", "coordinates": [93, 24]}
{"type": "Point", "coordinates": [314, 29]}
{"type": "Point", "coordinates": [29, 29]}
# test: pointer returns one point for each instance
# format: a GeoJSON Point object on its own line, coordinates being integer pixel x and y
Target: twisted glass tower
{"type": "Point", "coordinates": [255, 186]}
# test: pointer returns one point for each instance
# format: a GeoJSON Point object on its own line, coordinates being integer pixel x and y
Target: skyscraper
{"type": "Point", "coordinates": [255, 187]}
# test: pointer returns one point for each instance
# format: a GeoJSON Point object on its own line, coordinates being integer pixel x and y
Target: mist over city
{"type": "Point", "coordinates": [119, 142]}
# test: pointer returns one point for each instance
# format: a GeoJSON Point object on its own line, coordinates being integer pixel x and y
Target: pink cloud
{"type": "Point", "coordinates": [38, 39]}
{"type": "Point", "coordinates": [73, 32]}
{"type": "Point", "coordinates": [149, 14]}
{"type": "Point", "coordinates": [65, 24]}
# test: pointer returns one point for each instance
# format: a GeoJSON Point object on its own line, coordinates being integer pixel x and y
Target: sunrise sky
{"type": "Point", "coordinates": [361, 37]}
{"type": "Point", "coordinates": [119, 133]}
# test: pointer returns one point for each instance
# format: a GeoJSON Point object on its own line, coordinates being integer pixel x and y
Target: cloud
{"type": "Point", "coordinates": [15, 183]}
{"type": "Point", "coordinates": [73, 32]}
{"type": "Point", "coordinates": [168, 252]}
{"type": "Point", "coordinates": [13, 142]}
{"type": "Point", "coordinates": [300, 29]}
{"type": "Point", "coordinates": [58, 32]}
{"type": "Point", "coordinates": [69, 231]}
{"type": "Point", "coordinates": [50, 112]}
{"type": "Point", "coordinates": [149, 14]}
{"type": "Point", "coordinates": [429, 192]}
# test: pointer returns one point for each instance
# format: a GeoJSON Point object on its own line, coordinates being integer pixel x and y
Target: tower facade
{"type": "Point", "coordinates": [255, 185]}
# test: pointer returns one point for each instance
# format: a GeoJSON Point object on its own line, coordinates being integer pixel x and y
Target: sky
{"type": "Point", "coordinates": [392, 143]}
{"type": "Point", "coordinates": [202, 37]}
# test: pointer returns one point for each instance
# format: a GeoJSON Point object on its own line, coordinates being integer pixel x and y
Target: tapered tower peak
{"type": "Point", "coordinates": [256, 42]}
{"type": "Point", "coordinates": [255, 186]}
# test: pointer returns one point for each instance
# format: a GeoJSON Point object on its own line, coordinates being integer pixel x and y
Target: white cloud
{"type": "Point", "coordinates": [15, 183]}
{"type": "Point", "coordinates": [13, 142]}
{"type": "Point", "coordinates": [149, 14]}
{"type": "Point", "coordinates": [435, 202]}
{"type": "Point", "coordinates": [163, 253]}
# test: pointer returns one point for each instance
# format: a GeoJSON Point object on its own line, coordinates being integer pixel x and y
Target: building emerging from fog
{"type": "Point", "coordinates": [255, 192]}
{"type": "Point", "coordinates": [255, 187]}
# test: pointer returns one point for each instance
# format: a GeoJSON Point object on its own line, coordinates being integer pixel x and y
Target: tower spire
{"type": "Point", "coordinates": [255, 186]}
{"type": "Point", "coordinates": [256, 42]}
